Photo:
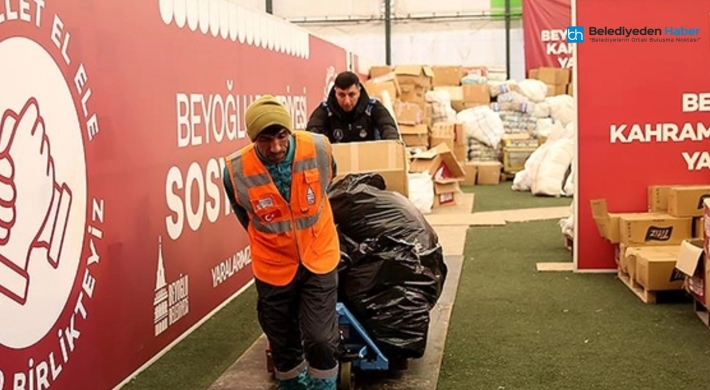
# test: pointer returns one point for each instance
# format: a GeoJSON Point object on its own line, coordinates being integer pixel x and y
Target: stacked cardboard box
{"type": "Point", "coordinates": [558, 80]}
{"type": "Point", "coordinates": [448, 78]}
{"type": "Point", "coordinates": [451, 134]}
{"type": "Point", "coordinates": [413, 124]}
{"type": "Point", "coordinates": [377, 86]}
{"type": "Point", "coordinates": [650, 244]}
{"type": "Point", "coordinates": [414, 82]}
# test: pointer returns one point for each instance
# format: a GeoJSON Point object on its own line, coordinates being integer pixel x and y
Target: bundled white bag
{"type": "Point", "coordinates": [550, 175]}
{"type": "Point", "coordinates": [535, 90]}
{"type": "Point", "coordinates": [562, 108]}
{"type": "Point", "coordinates": [523, 179]}
{"type": "Point", "coordinates": [421, 191]}
{"type": "Point", "coordinates": [482, 124]}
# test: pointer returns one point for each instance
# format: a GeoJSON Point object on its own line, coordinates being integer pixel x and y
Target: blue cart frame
{"type": "Point", "coordinates": [358, 350]}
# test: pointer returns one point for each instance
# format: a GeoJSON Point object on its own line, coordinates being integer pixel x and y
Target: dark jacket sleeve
{"type": "Point", "coordinates": [384, 122]}
{"type": "Point", "coordinates": [318, 122]}
{"type": "Point", "coordinates": [239, 211]}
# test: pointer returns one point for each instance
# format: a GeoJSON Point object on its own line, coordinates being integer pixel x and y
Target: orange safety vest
{"type": "Point", "coordinates": [283, 234]}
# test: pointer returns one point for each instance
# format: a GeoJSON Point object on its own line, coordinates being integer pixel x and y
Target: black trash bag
{"type": "Point", "coordinates": [392, 270]}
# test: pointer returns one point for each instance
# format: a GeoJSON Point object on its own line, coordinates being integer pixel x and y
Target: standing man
{"type": "Point", "coordinates": [350, 115]}
{"type": "Point", "coordinates": [277, 186]}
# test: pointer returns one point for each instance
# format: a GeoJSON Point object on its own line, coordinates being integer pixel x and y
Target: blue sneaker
{"type": "Point", "coordinates": [301, 382]}
{"type": "Point", "coordinates": [324, 384]}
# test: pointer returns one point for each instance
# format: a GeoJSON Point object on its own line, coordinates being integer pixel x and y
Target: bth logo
{"type": "Point", "coordinates": [575, 34]}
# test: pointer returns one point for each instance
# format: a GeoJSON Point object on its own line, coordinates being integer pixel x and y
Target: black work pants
{"type": "Point", "coordinates": [300, 319]}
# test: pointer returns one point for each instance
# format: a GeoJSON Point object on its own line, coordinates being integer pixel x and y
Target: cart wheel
{"type": "Point", "coordinates": [346, 381]}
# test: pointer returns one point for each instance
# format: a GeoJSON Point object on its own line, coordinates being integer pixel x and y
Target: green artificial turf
{"type": "Point", "coordinates": [513, 328]}
{"type": "Point", "coordinates": [197, 361]}
{"type": "Point", "coordinates": [501, 197]}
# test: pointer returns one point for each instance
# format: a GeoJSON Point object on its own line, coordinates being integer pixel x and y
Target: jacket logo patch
{"type": "Point", "coordinates": [363, 133]}
{"type": "Point", "coordinates": [338, 134]}
{"type": "Point", "coordinates": [271, 216]}
{"type": "Point", "coordinates": [310, 196]}
{"type": "Point", "coordinates": [264, 203]}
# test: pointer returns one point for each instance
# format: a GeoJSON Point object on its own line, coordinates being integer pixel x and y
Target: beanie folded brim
{"type": "Point", "coordinates": [265, 112]}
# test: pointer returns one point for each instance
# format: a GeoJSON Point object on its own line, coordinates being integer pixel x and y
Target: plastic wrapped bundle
{"type": "Point", "coordinates": [516, 122]}
{"type": "Point", "coordinates": [478, 151]}
{"type": "Point", "coordinates": [392, 270]}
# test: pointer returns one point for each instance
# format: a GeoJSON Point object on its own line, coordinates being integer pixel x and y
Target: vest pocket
{"type": "Point", "coordinates": [311, 194]}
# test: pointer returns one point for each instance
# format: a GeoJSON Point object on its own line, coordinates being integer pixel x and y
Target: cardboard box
{"type": "Point", "coordinates": [470, 170]}
{"type": "Point", "coordinates": [488, 172]}
{"type": "Point", "coordinates": [472, 105]}
{"type": "Point", "coordinates": [554, 90]}
{"type": "Point", "coordinates": [460, 152]}
{"type": "Point", "coordinates": [446, 192]}
{"type": "Point", "coordinates": [654, 229]}
{"type": "Point", "coordinates": [418, 75]}
{"type": "Point", "coordinates": [376, 86]}
{"type": "Point", "coordinates": [570, 89]}
{"type": "Point", "coordinates": [657, 198]}
{"type": "Point", "coordinates": [356, 157]}
{"type": "Point", "coordinates": [447, 75]}
{"type": "Point", "coordinates": [621, 255]}
{"type": "Point", "coordinates": [640, 229]}
{"type": "Point", "coordinates": [706, 224]}
{"type": "Point", "coordinates": [533, 74]}
{"type": "Point", "coordinates": [439, 162]}
{"type": "Point", "coordinates": [655, 268]}
{"type": "Point", "coordinates": [692, 262]}
{"type": "Point", "coordinates": [457, 105]}
{"type": "Point", "coordinates": [407, 113]}
{"type": "Point", "coordinates": [415, 136]}
{"type": "Point", "coordinates": [554, 76]}
{"type": "Point", "coordinates": [698, 227]}
{"type": "Point", "coordinates": [444, 129]}
{"type": "Point", "coordinates": [412, 93]}
{"type": "Point", "coordinates": [476, 93]}
{"type": "Point", "coordinates": [443, 132]}
{"type": "Point", "coordinates": [460, 134]}
{"type": "Point", "coordinates": [379, 70]}
{"type": "Point", "coordinates": [687, 201]}
{"type": "Point", "coordinates": [448, 141]}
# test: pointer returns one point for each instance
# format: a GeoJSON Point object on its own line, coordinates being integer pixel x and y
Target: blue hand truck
{"type": "Point", "coordinates": [358, 350]}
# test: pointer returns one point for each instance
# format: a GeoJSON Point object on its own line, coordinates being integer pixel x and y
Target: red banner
{"type": "Point", "coordinates": [114, 119]}
{"type": "Point", "coordinates": [544, 33]}
{"type": "Point", "coordinates": [642, 106]}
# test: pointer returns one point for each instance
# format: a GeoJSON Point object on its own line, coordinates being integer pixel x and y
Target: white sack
{"type": "Point", "coordinates": [440, 102]}
{"type": "Point", "coordinates": [421, 191]}
{"type": "Point", "coordinates": [567, 224]}
{"type": "Point", "coordinates": [541, 110]}
{"type": "Point", "coordinates": [562, 108]}
{"type": "Point", "coordinates": [523, 179]}
{"type": "Point", "coordinates": [568, 189]}
{"type": "Point", "coordinates": [535, 90]}
{"type": "Point", "coordinates": [550, 175]}
{"type": "Point", "coordinates": [482, 124]}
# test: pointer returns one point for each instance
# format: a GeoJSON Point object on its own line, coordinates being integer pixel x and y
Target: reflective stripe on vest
{"type": "Point", "coordinates": [243, 183]}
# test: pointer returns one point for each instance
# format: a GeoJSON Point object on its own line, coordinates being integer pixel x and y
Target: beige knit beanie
{"type": "Point", "coordinates": [264, 112]}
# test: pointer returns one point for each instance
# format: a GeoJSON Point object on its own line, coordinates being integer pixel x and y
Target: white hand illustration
{"type": "Point", "coordinates": [33, 208]}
